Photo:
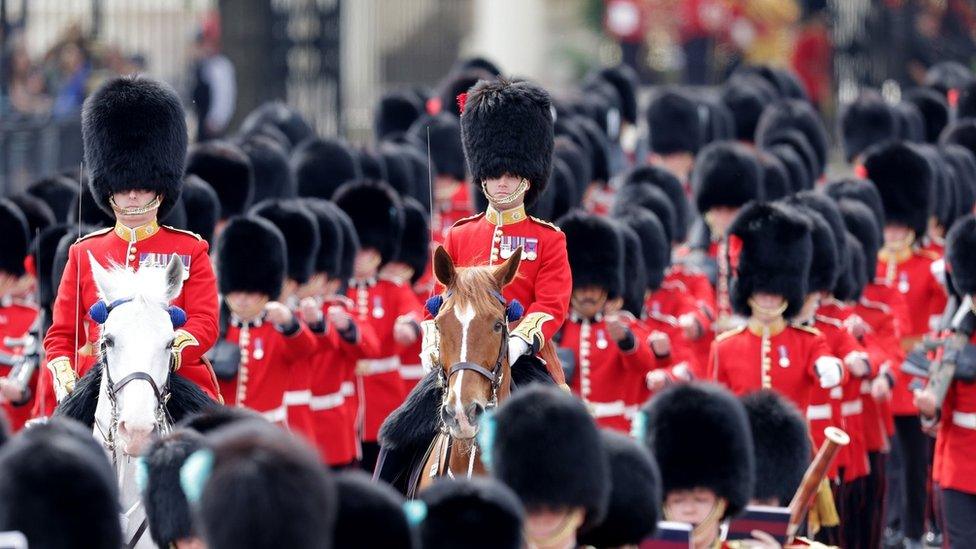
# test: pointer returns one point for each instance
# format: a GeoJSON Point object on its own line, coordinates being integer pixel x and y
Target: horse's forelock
{"type": "Point", "coordinates": [125, 283]}
{"type": "Point", "coordinates": [476, 286]}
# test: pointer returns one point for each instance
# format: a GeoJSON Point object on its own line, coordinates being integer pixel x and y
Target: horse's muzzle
{"type": "Point", "coordinates": [465, 426]}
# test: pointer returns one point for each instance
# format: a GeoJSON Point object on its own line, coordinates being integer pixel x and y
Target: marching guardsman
{"type": "Point", "coordinates": [506, 128]}
{"type": "Point", "coordinates": [453, 509]}
{"type": "Point", "coordinates": [611, 357]}
{"type": "Point", "coordinates": [391, 308]}
{"type": "Point", "coordinates": [676, 132]}
{"type": "Point", "coordinates": [302, 242]}
{"type": "Point", "coordinates": [135, 170]}
{"type": "Point", "coordinates": [905, 180]}
{"type": "Point", "coordinates": [727, 175]}
{"type": "Point", "coordinates": [781, 444]}
{"type": "Point", "coordinates": [271, 341]}
{"type": "Point", "coordinates": [519, 450]}
{"type": "Point", "coordinates": [706, 478]}
{"type": "Point", "coordinates": [956, 418]}
{"type": "Point", "coordinates": [170, 518]}
{"type": "Point", "coordinates": [18, 369]}
{"type": "Point", "coordinates": [452, 194]}
{"type": "Point", "coordinates": [225, 167]}
{"type": "Point", "coordinates": [770, 252]}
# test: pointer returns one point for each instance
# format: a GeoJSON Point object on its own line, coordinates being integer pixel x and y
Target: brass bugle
{"type": "Point", "coordinates": [814, 476]}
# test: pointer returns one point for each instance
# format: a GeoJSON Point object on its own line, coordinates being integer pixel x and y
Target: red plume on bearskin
{"type": "Point", "coordinates": [462, 99]}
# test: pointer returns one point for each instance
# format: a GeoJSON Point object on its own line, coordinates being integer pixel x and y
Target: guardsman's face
{"type": "Point", "coordinates": [719, 218]}
{"type": "Point", "coordinates": [367, 262]}
{"type": "Point", "coordinates": [766, 307]}
{"type": "Point", "coordinates": [589, 301]}
{"type": "Point", "coordinates": [131, 199]}
{"type": "Point", "coordinates": [501, 188]}
{"type": "Point", "coordinates": [896, 234]}
{"type": "Point", "coordinates": [691, 506]}
{"type": "Point", "coordinates": [246, 305]}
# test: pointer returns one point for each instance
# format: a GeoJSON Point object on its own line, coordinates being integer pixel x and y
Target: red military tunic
{"type": "Point", "coordinates": [380, 389]}
{"type": "Point", "coordinates": [16, 321]}
{"type": "Point", "coordinates": [955, 456]}
{"type": "Point", "coordinates": [606, 377]}
{"type": "Point", "coordinates": [450, 212]}
{"type": "Point", "coordinates": [543, 284]}
{"type": "Point", "coordinates": [747, 359]}
{"type": "Point", "coordinates": [333, 363]}
{"type": "Point", "coordinates": [149, 246]}
{"type": "Point", "coordinates": [696, 285]}
{"type": "Point", "coordinates": [910, 273]}
{"type": "Point", "coordinates": [268, 359]}
{"type": "Point", "coordinates": [883, 344]}
{"type": "Point", "coordinates": [666, 306]}
{"type": "Point", "coordinates": [846, 404]}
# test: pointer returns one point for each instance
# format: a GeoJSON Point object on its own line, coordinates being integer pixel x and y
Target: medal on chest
{"type": "Point", "coordinates": [153, 260]}
{"type": "Point", "coordinates": [784, 357]}
{"type": "Point", "coordinates": [258, 349]}
{"type": "Point", "coordinates": [903, 285]}
{"type": "Point", "coordinates": [378, 311]}
{"type": "Point", "coordinates": [601, 340]}
{"type": "Point", "coordinates": [508, 245]}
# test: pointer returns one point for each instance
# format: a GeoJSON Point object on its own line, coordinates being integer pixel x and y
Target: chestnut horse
{"type": "Point", "coordinates": [473, 368]}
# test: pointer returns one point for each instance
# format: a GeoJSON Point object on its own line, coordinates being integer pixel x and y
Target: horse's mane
{"type": "Point", "coordinates": [148, 284]}
{"type": "Point", "coordinates": [185, 398]}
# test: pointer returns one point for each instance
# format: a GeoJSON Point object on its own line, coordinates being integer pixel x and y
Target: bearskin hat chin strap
{"type": "Point", "coordinates": [152, 205]}
{"type": "Point", "coordinates": [522, 188]}
{"type": "Point", "coordinates": [905, 243]}
{"type": "Point", "coordinates": [769, 312]}
{"type": "Point", "coordinates": [705, 531]}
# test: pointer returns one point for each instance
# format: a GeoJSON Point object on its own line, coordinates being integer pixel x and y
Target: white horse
{"type": "Point", "coordinates": [137, 396]}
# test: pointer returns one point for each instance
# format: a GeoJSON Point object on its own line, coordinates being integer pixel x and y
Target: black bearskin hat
{"type": "Point", "coordinates": [675, 123]}
{"type": "Point", "coordinates": [377, 213]}
{"type": "Point", "coordinates": [506, 128]}
{"type": "Point", "coordinates": [962, 132]}
{"type": "Point", "coordinates": [134, 132]}
{"type": "Point", "coordinates": [536, 429]}
{"type": "Point", "coordinates": [555, 198]}
{"type": "Point", "coordinates": [251, 257]}
{"type": "Point", "coordinates": [176, 218]}
{"type": "Point", "coordinates": [934, 109]}
{"type": "Point", "coordinates": [16, 239]}
{"type": "Point", "coordinates": [963, 167]}
{"type": "Point", "coordinates": [371, 164]}
{"type": "Point", "coordinates": [635, 275]}
{"type": "Point", "coordinates": [719, 456]}
{"type": "Point", "coordinates": [167, 509]}
{"type": "Point", "coordinates": [322, 165]}
{"type": "Point", "coordinates": [90, 212]}
{"type": "Point", "coordinates": [655, 248]}
{"type": "Point", "coordinates": [626, 82]}
{"type": "Point", "coordinates": [456, 83]}
{"type": "Point", "coordinates": [726, 174]}
{"type": "Point", "coordinates": [301, 233]}
{"type": "Point", "coordinates": [966, 106]}
{"type": "Point", "coordinates": [350, 241]}
{"type": "Point", "coordinates": [45, 248]}
{"type": "Point", "coordinates": [774, 255]}
{"type": "Point", "coordinates": [282, 117]}
{"type": "Point", "coordinates": [596, 254]}
{"type": "Point", "coordinates": [943, 185]}
{"type": "Point", "coordinates": [635, 494]}
{"type": "Point", "coordinates": [776, 180]}
{"type": "Point", "coordinates": [36, 212]}
{"type": "Point", "coordinates": [329, 258]}
{"type": "Point", "coordinates": [53, 472]}
{"type": "Point", "coordinates": [911, 125]}
{"type": "Point", "coordinates": [860, 190]}
{"type": "Point", "coordinates": [825, 265]}
{"type": "Point", "coordinates": [58, 192]}
{"type": "Point", "coordinates": [866, 122]}
{"type": "Point", "coordinates": [399, 172]}
{"type": "Point", "coordinates": [948, 75]}
{"type": "Point", "coordinates": [786, 83]}
{"type": "Point", "coordinates": [650, 198]}
{"type": "Point", "coordinates": [797, 115]}
{"type": "Point", "coordinates": [906, 182]}
{"type": "Point", "coordinates": [217, 417]}
{"type": "Point", "coordinates": [796, 167]}
{"type": "Point", "coordinates": [446, 150]}
{"type": "Point", "coordinates": [851, 283]}
{"type": "Point", "coordinates": [457, 508]}
{"type": "Point", "coordinates": [719, 120]}
{"type": "Point", "coordinates": [579, 163]}
{"type": "Point", "coordinates": [828, 210]}
{"type": "Point", "coordinates": [781, 443]}
{"type": "Point", "coordinates": [795, 140]}
{"type": "Point", "coordinates": [225, 167]}
{"type": "Point", "coordinates": [272, 175]}
{"type": "Point", "coordinates": [669, 184]}
{"type": "Point", "coordinates": [746, 95]}
{"type": "Point", "coordinates": [396, 112]}
{"type": "Point", "coordinates": [370, 514]}
{"type": "Point", "coordinates": [415, 244]}
{"type": "Point", "coordinates": [202, 207]}
{"type": "Point", "coordinates": [423, 173]}
{"type": "Point", "coordinates": [274, 488]}
{"type": "Point", "coordinates": [862, 225]}
{"type": "Point", "coordinates": [961, 254]}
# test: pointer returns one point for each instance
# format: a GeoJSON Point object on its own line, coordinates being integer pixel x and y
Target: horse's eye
{"type": "Point", "coordinates": [109, 341]}
{"type": "Point", "coordinates": [498, 327]}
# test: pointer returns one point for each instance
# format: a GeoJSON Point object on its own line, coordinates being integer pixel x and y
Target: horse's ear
{"type": "Point", "coordinates": [505, 273]}
{"type": "Point", "coordinates": [174, 277]}
{"type": "Point", "coordinates": [100, 275]}
{"type": "Point", "coordinates": [444, 267]}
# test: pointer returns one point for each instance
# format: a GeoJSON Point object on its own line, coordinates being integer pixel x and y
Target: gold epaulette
{"type": "Point", "coordinates": [95, 233]}
{"type": "Point", "coordinates": [831, 321]}
{"type": "Point", "coordinates": [929, 254]}
{"type": "Point", "coordinates": [544, 222]}
{"type": "Point", "coordinates": [468, 219]}
{"type": "Point", "coordinates": [191, 233]}
{"type": "Point", "coordinates": [807, 329]}
{"type": "Point", "coordinates": [729, 333]}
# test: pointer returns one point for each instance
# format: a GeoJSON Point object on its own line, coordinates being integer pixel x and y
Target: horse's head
{"type": "Point", "coordinates": [137, 330]}
{"type": "Point", "coordinates": [472, 323]}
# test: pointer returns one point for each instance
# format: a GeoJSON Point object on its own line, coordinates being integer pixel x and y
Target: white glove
{"type": "Point", "coordinates": [516, 348]}
{"type": "Point", "coordinates": [829, 370]}
{"type": "Point", "coordinates": [430, 345]}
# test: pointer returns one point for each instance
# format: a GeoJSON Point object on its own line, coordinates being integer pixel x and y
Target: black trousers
{"type": "Point", "coordinates": [852, 506]}
{"type": "Point", "coordinates": [914, 446]}
{"type": "Point", "coordinates": [371, 451]}
{"type": "Point", "coordinates": [875, 486]}
{"type": "Point", "coordinates": [959, 514]}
